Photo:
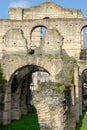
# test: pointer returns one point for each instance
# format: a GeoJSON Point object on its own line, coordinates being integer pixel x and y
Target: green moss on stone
{"type": "Point", "coordinates": [67, 58]}
{"type": "Point", "coordinates": [66, 75]}
{"type": "Point", "coordinates": [59, 88]}
{"type": "Point", "coordinates": [82, 61]}
{"type": "Point", "coordinates": [52, 86]}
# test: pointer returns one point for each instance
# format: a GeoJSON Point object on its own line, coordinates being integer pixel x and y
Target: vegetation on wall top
{"type": "Point", "coordinates": [54, 86]}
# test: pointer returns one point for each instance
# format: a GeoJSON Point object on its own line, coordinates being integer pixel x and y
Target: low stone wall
{"type": "Point", "coordinates": [50, 103]}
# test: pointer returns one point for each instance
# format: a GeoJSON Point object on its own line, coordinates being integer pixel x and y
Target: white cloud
{"type": "Point", "coordinates": [20, 3]}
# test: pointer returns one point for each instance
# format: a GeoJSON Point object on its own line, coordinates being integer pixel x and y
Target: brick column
{"type": "Point", "coordinates": [51, 108]}
{"type": "Point", "coordinates": [76, 82]}
{"type": "Point", "coordinates": [72, 114]}
{"type": "Point", "coordinates": [80, 92]}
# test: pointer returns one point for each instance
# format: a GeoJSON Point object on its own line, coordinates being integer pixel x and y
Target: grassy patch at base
{"type": "Point", "coordinates": [82, 125]}
{"type": "Point", "coordinates": [27, 122]}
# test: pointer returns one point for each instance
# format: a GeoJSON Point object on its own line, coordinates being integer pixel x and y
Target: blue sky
{"type": "Point", "coordinates": [76, 4]}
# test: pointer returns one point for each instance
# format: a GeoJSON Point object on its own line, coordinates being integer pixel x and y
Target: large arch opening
{"type": "Point", "coordinates": [84, 87]}
{"type": "Point", "coordinates": [24, 82]}
{"type": "Point", "coordinates": [37, 35]}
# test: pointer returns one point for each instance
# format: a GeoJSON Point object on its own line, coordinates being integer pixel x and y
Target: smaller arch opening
{"type": "Point", "coordinates": [46, 18]}
{"type": "Point", "coordinates": [84, 37]}
{"type": "Point", "coordinates": [83, 43]}
{"type": "Point", "coordinates": [36, 36]}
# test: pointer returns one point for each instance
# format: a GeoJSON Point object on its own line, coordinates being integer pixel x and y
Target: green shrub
{"type": "Point", "coordinates": [82, 125]}
{"type": "Point", "coordinates": [2, 81]}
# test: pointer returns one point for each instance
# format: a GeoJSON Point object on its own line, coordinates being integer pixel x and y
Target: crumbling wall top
{"type": "Point", "coordinates": [44, 10]}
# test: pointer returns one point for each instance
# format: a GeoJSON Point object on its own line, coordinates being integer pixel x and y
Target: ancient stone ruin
{"type": "Point", "coordinates": [43, 62]}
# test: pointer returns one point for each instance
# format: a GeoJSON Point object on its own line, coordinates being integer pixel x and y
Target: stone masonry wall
{"type": "Point", "coordinates": [69, 23]}
{"type": "Point", "coordinates": [50, 107]}
{"type": "Point", "coordinates": [70, 29]}
{"type": "Point", "coordinates": [44, 10]}
{"type": "Point", "coordinates": [50, 10]}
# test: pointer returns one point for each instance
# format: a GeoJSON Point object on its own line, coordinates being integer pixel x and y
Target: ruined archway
{"type": "Point", "coordinates": [19, 100]}
{"type": "Point", "coordinates": [20, 86]}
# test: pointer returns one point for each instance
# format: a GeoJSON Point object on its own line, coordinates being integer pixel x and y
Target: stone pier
{"type": "Point", "coordinates": [50, 103]}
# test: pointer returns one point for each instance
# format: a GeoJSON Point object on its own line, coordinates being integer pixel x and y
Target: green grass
{"type": "Point", "coordinates": [28, 122]}
{"type": "Point", "coordinates": [82, 125]}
